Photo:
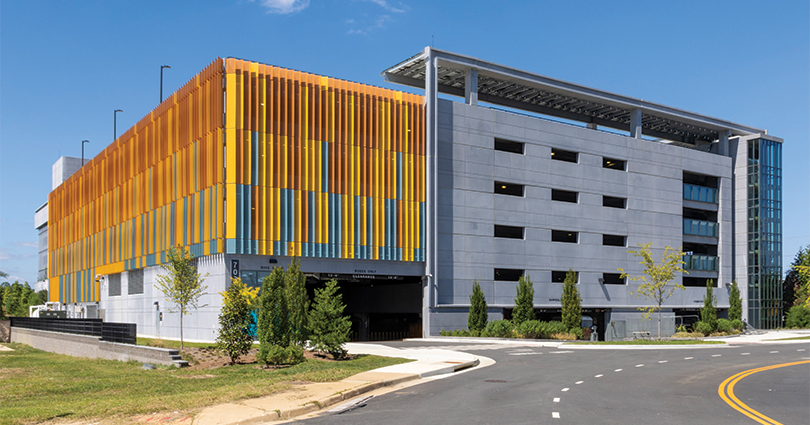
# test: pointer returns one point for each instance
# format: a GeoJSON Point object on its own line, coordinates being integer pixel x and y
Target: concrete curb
{"type": "Point", "coordinates": [316, 405]}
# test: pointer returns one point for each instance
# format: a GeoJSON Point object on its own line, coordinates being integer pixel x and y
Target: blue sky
{"type": "Point", "coordinates": [65, 66]}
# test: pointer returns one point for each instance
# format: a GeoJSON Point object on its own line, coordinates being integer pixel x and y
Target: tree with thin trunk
{"type": "Point", "coordinates": [477, 316]}
{"type": "Point", "coordinates": [297, 302]}
{"type": "Point", "coordinates": [735, 303]}
{"type": "Point", "coordinates": [182, 284]}
{"type": "Point", "coordinates": [571, 302]}
{"type": "Point", "coordinates": [658, 278]}
{"type": "Point", "coordinates": [524, 301]}
{"type": "Point", "coordinates": [708, 314]}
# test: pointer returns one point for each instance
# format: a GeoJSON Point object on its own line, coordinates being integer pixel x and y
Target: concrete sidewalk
{"type": "Point", "coordinates": [309, 398]}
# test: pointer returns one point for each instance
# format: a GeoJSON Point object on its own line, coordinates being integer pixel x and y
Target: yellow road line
{"type": "Point", "coordinates": [728, 387]}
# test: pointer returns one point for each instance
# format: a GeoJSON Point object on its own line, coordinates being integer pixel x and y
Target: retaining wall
{"type": "Point", "coordinates": [92, 347]}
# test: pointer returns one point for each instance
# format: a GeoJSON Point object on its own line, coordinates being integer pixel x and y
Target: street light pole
{"type": "Point", "coordinates": [115, 123]}
{"type": "Point", "coordinates": [161, 80]}
{"type": "Point", "coordinates": [83, 142]}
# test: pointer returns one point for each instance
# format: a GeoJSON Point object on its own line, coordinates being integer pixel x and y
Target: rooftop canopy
{"type": "Point", "coordinates": [514, 88]}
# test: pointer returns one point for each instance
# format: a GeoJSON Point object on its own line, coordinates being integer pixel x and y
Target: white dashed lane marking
{"type": "Point", "coordinates": [716, 355]}
{"type": "Point", "coordinates": [555, 415]}
{"type": "Point", "coordinates": [578, 382]}
{"type": "Point", "coordinates": [599, 376]}
{"type": "Point", "coordinates": [639, 365]}
{"type": "Point", "coordinates": [662, 361]}
{"type": "Point", "coordinates": [801, 349]}
{"type": "Point", "coordinates": [744, 354]}
{"type": "Point", "coordinates": [565, 389]}
{"type": "Point", "coordinates": [688, 358]}
{"type": "Point", "coordinates": [556, 399]}
{"type": "Point", "coordinates": [618, 370]}
{"type": "Point", "coordinates": [774, 352]}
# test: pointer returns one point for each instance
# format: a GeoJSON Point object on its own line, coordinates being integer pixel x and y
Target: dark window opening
{"type": "Point", "coordinates": [511, 232]}
{"type": "Point", "coordinates": [700, 180]}
{"type": "Point", "coordinates": [559, 276]}
{"type": "Point", "coordinates": [508, 275]}
{"type": "Point", "coordinates": [509, 188]}
{"type": "Point", "coordinates": [564, 195]}
{"type": "Point", "coordinates": [614, 240]}
{"type": "Point", "coordinates": [699, 249]}
{"type": "Point", "coordinates": [694, 282]}
{"type": "Point", "coordinates": [564, 236]}
{"type": "Point", "coordinates": [700, 214]}
{"type": "Point", "coordinates": [508, 146]}
{"type": "Point", "coordinates": [564, 155]}
{"type": "Point", "coordinates": [614, 202]}
{"type": "Point", "coordinates": [614, 164]}
{"type": "Point", "coordinates": [612, 279]}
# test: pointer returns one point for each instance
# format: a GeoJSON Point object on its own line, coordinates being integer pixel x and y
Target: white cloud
{"type": "Point", "coordinates": [387, 6]}
{"type": "Point", "coordinates": [26, 244]}
{"type": "Point", "coordinates": [284, 7]}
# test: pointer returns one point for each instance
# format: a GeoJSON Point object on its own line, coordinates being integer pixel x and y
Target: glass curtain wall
{"type": "Point", "coordinates": [764, 233]}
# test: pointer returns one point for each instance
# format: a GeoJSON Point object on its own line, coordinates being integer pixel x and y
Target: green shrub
{"type": "Point", "coordinates": [554, 327]}
{"type": "Point", "coordinates": [577, 332]}
{"type": "Point", "coordinates": [737, 324]}
{"type": "Point", "coordinates": [735, 302]}
{"type": "Point", "coordinates": [798, 317]}
{"type": "Point", "coordinates": [524, 301]}
{"type": "Point", "coordinates": [724, 325]}
{"type": "Point", "coordinates": [571, 301]}
{"type": "Point", "coordinates": [708, 314]}
{"type": "Point", "coordinates": [530, 329]}
{"type": "Point", "coordinates": [703, 327]}
{"type": "Point", "coordinates": [500, 329]}
{"type": "Point", "coordinates": [681, 328]}
{"type": "Point", "coordinates": [234, 338]}
{"type": "Point", "coordinates": [329, 329]}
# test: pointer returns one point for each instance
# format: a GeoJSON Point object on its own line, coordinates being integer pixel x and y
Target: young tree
{"type": "Point", "coordinates": [274, 326]}
{"type": "Point", "coordinates": [735, 303]}
{"type": "Point", "coordinates": [234, 337]}
{"type": "Point", "coordinates": [571, 302]}
{"type": "Point", "coordinates": [329, 328]}
{"type": "Point", "coordinates": [708, 314]}
{"type": "Point", "coordinates": [297, 302]}
{"type": "Point", "coordinates": [477, 317]}
{"type": "Point", "coordinates": [13, 300]}
{"type": "Point", "coordinates": [43, 295]}
{"type": "Point", "coordinates": [797, 282]}
{"type": "Point", "coordinates": [524, 301]}
{"type": "Point", "coordinates": [182, 284]}
{"type": "Point", "coordinates": [657, 278]}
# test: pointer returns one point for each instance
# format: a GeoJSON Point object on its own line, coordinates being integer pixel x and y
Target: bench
{"type": "Point", "coordinates": [641, 335]}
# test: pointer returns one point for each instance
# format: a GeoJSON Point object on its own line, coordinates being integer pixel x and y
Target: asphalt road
{"type": "Point", "coordinates": [531, 385]}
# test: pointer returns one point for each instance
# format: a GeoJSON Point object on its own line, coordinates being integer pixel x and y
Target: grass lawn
{"type": "Point", "coordinates": [653, 342]}
{"type": "Point", "coordinates": [37, 385]}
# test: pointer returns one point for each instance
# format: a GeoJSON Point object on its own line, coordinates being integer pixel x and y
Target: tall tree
{"type": "Point", "coordinates": [708, 314]}
{"type": "Point", "coordinates": [797, 282]}
{"type": "Point", "coordinates": [182, 284]}
{"type": "Point", "coordinates": [329, 329]}
{"type": "Point", "coordinates": [571, 302]}
{"type": "Point", "coordinates": [657, 278]}
{"type": "Point", "coordinates": [735, 302]}
{"type": "Point", "coordinates": [297, 302]}
{"type": "Point", "coordinates": [524, 301]}
{"type": "Point", "coordinates": [235, 321]}
{"type": "Point", "coordinates": [477, 316]}
{"type": "Point", "coordinates": [14, 300]}
{"type": "Point", "coordinates": [274, 325]}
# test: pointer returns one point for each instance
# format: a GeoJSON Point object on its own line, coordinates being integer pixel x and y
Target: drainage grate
{"type": "Point", "coordinates": [495, 381]}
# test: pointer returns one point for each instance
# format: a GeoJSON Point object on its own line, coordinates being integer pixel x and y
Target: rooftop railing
{"type": "Point", "coordinates": [700, 262]}
{"type": "Point", "coordinates": [700, 228]}
{"type": "Point", "coordinates": [693, 192]}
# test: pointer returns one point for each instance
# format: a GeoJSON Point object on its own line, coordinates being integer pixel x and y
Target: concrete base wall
{"type": "Point", "coordinates": [91, 347]}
